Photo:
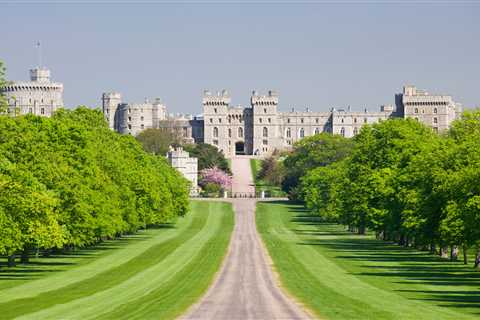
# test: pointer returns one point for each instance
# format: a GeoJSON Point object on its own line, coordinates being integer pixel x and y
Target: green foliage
{"type": "Point", "coordinates": [208, 156]}
{"type": "Point", "coordinates": [311, 152]}
{"type": "Point", "coordinates": [3, 101]}
{"type": "Point", "coordinates": [158, 141]}
{"type": "Point", "coordinates": [404, 182]}
{"type": "Point", "coordinates": [70, 181]}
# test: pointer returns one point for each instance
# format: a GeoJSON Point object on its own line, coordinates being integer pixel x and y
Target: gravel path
{"type": "Point", "coordinates": [246, 287]}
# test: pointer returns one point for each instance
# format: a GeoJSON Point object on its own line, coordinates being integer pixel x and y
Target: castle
{"type": "Point", "coordinates": [39, 96]}
{"type": "Point", "coordinates": [261, 128]}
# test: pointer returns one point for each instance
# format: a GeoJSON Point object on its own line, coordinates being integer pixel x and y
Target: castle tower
{"type": "Point", "coordinates": [215, 111]}
{"type": "Point", "coordinates": [110, 103]}
{"type": "Point", "coordinates": [40, 75]}
{"type": "Point", "coordinates": [265, 122]}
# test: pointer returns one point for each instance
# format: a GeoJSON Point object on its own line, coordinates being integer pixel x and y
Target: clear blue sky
{"type": "Point", "coordinates": [315, 55]}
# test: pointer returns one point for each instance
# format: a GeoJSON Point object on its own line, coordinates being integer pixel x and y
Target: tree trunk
{"type": "Point", "coordinates": [11, 261]}
{"type": "Point", "coordinates": [444, 252]}
{"type": "Point", "coordinates": [454, 253]}
{"type": "Point", "coordinates": [477, 259]}
{"type": "Point", "coordinates": [24, 258]}
{"type": "Point", "coordinates": [465, 258]}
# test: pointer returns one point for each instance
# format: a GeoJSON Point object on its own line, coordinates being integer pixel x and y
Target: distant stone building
{"type": "Point", "coordinates": [260, 128]}
{"type": "Point", "coordinates": [186, 165]}
{"type": "Point", "coordinates": [39, 96]}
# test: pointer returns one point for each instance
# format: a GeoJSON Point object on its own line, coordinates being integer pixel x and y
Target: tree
{"type": "Point", "coordinates": [158, 141]}
{"type": "Point", "coordinates": [316, 151]}
{"type": "Point", "coordinates": [3, 82]}
{"type": "Point", "coordinates": [208, 156]}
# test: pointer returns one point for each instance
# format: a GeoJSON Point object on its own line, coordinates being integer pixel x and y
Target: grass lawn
{"type": "Point", "coordinates": [155, 274]}
{"type": "Point", "coordinates": [260, 184]}
{"type": "Point", "coordinates": [339, 275]}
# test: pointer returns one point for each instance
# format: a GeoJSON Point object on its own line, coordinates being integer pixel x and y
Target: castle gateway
{"type": "Point", "coordinates": [260, 128]}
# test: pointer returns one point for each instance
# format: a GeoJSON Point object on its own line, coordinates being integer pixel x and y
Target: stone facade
{"type": "Point", "coordinates": [39, 96]}
{"type": "Point", "coordinates": [260, 128]}
{"type": "Point", "coordinates": [186, 165]}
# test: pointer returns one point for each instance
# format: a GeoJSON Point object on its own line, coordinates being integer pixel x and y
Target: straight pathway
{"type": "Point", "coordinates": [246, 287]}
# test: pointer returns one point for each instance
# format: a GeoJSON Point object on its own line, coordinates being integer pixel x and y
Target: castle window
{"type": "Point", "coordinates": [289, 133]}
{"type": "Point", "coordinates": [260, 120]}
{"type": "Point", "coordinates": [211, 120]}
{"type": "Point", "coordinates": [355, 120]}
{"type": "Point", "coordinates": [435, 110]}
{"type": "Point", "coordinates": [229, 132]}
{"type": "Point", "coordinates": [355, 131]}
{"type": "Point", "coordinates": [129, 110]}
{"type": "Point", "coordinates": [302, 133]}
{"type": "Point", "coordinates": [316, 120]}
{"type": "Point", "coordinates": [240, 132]}
{"type": "Point", "coordinates": [416, 110]}
{"type": "Point", "coordinates": [129, 118]}
{"type": "Point", "coordinates": [42, 111]}
{"type": "Point", "coordinates": [215, 142]}
{"type": "Point", "coordinates": [141, 118]}
{"type": "Point", "coordinates": [265, 132]}
{"type": "Point", "coordinates": [142, 126]}
{"type": "Point", "coordinates": [435, 120]}
{"type": "Point", "coordinates": [215, 132]}
{"type": "Point", "coordinates": [317, 131]}
{"type": "Point", "coordinates": [343, 120]}
{"type": "Point", "coordinates": [265, 142]}
{"type": "Point", "coordinates": [365, 120]}
{"type": "Point", "coordinates": [219, 120]}
{"type": "Point", "coordinates": [129, 127]}
{"type": "Point", "coordinates": [342, 132]}
{"type": "Point", "coordinates": [265, 110]}
{"type": "Point", "coordinates": [288, 120]}
{"type": "Point", "coordinates": [269, 120]}
{"type": "Point", "coordinates": [215, 110]}
{"type": "Point", "coordinates": [301, 120]}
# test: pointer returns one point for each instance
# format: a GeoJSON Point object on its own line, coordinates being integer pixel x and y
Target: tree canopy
{"type": "Point", "coordinates": [70, 181]}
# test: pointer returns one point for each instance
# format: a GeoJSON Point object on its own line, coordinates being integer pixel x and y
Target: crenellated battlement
{"type": "Point", "coordinates": [219, 99]}
{"type": "Point", "coordinates": [264, 100]}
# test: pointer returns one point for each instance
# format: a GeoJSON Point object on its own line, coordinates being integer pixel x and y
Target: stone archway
{"type": "Point", "coordinates": [239, 148]}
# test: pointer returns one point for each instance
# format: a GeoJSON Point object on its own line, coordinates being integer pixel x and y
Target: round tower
{"type": "Point", "coordinates": [110, 102]}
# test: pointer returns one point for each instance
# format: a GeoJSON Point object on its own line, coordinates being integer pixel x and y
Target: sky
{"type": "Point", "coordinates": [316, 54]}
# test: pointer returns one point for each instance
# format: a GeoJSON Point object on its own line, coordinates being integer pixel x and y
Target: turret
{"type": "Point", "coordinates": [110, 102]}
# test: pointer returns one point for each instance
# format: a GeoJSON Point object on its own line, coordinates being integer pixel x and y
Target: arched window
{"type": "Point", "coordinates": [289, 133]}
{"type": "Point", "coordinates": [416, 110]}
{"type": "Point", "coordinates": [302, 133]}
{"type": "Point", "coordinates": [229, 132]}
{"type": "Point", "coordinates": [342, 132]}
{"type": "Point", "coordinates": [240, 132]}
{"type": "Point", "coordinates": [355, 131]}
{"type": "Point", "coordinates": [215, 132]}
{"type": "Point", "coordinates": [317, 131]}
{"type": "Point", "coordinates": [265, 132]}
{"type": "Point", "coordinates": [435, 110]}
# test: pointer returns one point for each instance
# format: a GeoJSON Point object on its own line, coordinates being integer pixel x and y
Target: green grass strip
{"type": "Point", "coordinates": [48, 274]}
{"type": "Point", "coordinates": [323, 281]}
{"type": "Point", "coordinates": [144, 282]}
{"type": "Point", "coordinates": [186, 287]}
{"type": "Point", "coordinates": [104, 280]}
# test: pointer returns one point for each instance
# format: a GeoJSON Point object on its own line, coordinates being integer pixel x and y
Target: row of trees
{"type": "Point", "coordinates": [69, 181]}
{"type": "Point", "coordinates": [398, 179]}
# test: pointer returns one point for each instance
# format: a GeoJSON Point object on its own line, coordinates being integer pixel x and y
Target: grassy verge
{"type": "Point", "coordinates": [339, 275]}
{"type": "Point", "coordinates": [262, 185]}
{"type": "Point", "coordinates": [156, 275]}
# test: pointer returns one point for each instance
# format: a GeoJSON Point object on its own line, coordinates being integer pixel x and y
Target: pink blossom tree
{"type": "Point", "coordinates": [216, 176]}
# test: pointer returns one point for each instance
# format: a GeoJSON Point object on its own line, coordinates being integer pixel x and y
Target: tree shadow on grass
{"type": "Point", "coordinates": [404, 266]}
